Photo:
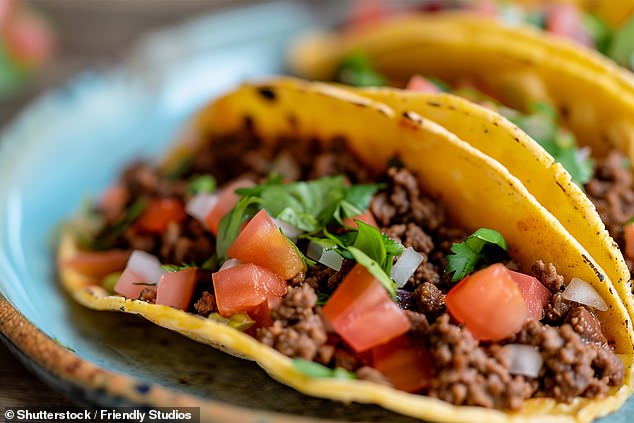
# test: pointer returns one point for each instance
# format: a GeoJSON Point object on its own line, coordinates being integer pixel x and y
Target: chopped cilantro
{"type": "Point", "coordinates": [478, 250]}
{"type": "Point", "coordinates": [356, 70]}
{"type": "Point", "coordinates": [177, 267]}
{"type": "Point", "coordinates": [541, 124]}
{"type": "Point", "coordinates": [598, 30]}
{"type": "Point", "coordinates": [316, 370]}
{"type": "Point", "coordinates": [109, 234]}
{"type": "Point", "coordinates": [309, 206]}
{"type": "Point", "coordinates": [201, 184]}
{"type": "Point", "coordinates": [375, 269]}
{"type": "Point", "coordinates": [621, 47]}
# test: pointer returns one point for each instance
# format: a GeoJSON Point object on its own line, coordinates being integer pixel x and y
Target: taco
{"type": "Point", "coordinates": [362, 253]}
{"type": "Point", "coordinates": [604, 25]}
{"type": "Point", "coordinates": [578, 106]}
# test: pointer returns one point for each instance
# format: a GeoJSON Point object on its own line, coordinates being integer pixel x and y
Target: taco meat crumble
{"type": "Point", "coordinates": [577, 358]}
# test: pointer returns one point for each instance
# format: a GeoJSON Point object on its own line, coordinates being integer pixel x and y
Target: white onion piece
{"type": "Point", "coordinates": [286, 165]}
{"type": "Point", "coordinates": [582, 292]}
{"type": "Point", "coordinates": [232, 262]}
{"type": "Point", "coordinates": [200, 205]}
{"type": "Point", "coordinates": [329, 258]}
{"type": "Point", "coordinates": [525, 360]}
{"type": "Point", "coordinates": [405, 267]}
{"type": "Point", "coordinates": [289, 230]}
{"type": "Point", "coordinates": [146, 264]}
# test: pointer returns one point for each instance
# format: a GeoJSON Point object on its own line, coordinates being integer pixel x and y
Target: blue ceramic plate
{"type": "Point", "coordinates": [68, 146]}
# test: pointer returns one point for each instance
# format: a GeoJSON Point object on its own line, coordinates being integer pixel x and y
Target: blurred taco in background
{"type": "Point", "coordinates": [603, 25]}
{"type": "Point", "coordinates": [577, 105]}
{"type": "Point", "coordinates": [358, 252]}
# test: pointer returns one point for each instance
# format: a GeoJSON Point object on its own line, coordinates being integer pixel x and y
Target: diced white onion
{"type": "Point", "coordinates": [289, 230]}
{"type": "Point", "coordinates": [525, 360]}
{"type": "Point", "coordinates": [146, 264]}
{"type": "Point", "coordinates": [405, 267]}
{"type": "Point", "coordinates": [329, 258]}
{"type": "Point", "coordinates": [232, 262]}
{"type": "Point", "coordinates": [200, 205]}
{"type": "Point", "coordinates": [286, 165]}
{"type": "Point", "coordinates": [582, 292]}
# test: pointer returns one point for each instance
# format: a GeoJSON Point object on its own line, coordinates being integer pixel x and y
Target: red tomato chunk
{"type": "Point", "coordinates": [262, 243]}
{"type": "Point", "coordinates": [227, 199]}
{"type": "Point", "coordinates": [130, 284]}
{"type": "Point", "coordinates": [242, 288]}
{"type": "Point", "coordinates": [489, 303]}
{"type": "Point", "coordinates": [537, 296]}
{"type": "Point", "coordinates": [362, 312]}
{"type": "Point", "coordinates": [98, 263]}
{"type": "Point", "coordinates": [176, 289]}
{"type": "Point", "coordinates": [405, 362]}
{"type": "Point", "coordinates": [159, 214]}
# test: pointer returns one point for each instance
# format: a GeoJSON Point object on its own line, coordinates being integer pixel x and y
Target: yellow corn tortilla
{"type": "Point", "coordinates": [478, 190]}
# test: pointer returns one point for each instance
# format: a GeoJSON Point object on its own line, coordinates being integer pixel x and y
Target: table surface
{"type": "Point", "coordinates": [92, 34]}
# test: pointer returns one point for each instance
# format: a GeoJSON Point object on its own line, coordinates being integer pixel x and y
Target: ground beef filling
{"type": "Point", "coordinates": [577, 358]}
{"type": "Point", "coordinates": [612, 192]}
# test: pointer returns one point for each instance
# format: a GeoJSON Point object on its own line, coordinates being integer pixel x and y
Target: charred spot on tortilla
{"type": "Point", "coordinates": [434, 104]}
{"type": "Point", "coordinates": [267, 93]}
{"type": "Point", "coordinates": [590, 263]}
{"type": "Point", "coordinates": [292, 121]}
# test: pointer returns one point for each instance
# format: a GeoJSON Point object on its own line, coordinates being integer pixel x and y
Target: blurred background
{"type": "Point", "coordinates": [44, 43]}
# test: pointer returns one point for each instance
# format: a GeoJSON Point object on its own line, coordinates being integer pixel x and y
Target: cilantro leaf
{"type": "Point", "coordinates": [176, 267]}
{"type": "Point", "coordinates": [356, 70]}
{"type": "Point", "coordinates": [201, 184]}
{"type": "Point", "coordinates": [621, 46]}
{"type": "Point", "coordinates": [370, 242]}
{"type": "Point", "coordinates": [230, 224]}
{"type": "Point", "coordinates": [375, 269]}
{"type": "Point", "coordinates": [480, 249]}
{"type": "Point", "coordinates": [541, 125]}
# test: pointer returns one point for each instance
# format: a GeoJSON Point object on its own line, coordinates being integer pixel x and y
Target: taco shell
{"type": "Point", "coordinates": [479, 191]}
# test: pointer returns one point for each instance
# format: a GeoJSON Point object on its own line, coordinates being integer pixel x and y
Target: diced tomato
{"type": "Point", "coordinates": [365, 217]}
{"type": "Point", "coordinates": [262, 243]}
{"type": "Point", "coordinates": [537, 296]}
{"type": "Point", "coordinates": [362, 312]}
{"type": "Point", "coordinates": [629, 240]}
{"type": "Point", "coordinates": [242, 288]}
{"type": "Point", "coordinates": [114, 198]}
{"type": "Point", "coordinates": [176, 289]}
{"type": "Point", "coordinates": [159, 213]}
{"type": "Point", "coordinates": [130, 284]}
{"type": "Point", "coordinates": [262, 313]}
{"type": "Point", "coordinates": [565, 20]}
{"type": "Point", "coordinates": [98, 263]}
{"type": "Point", "coordinates": [28, 37]}
{"type": "Point", "coordinates": [405, 362]}
{"type": "Point", "coordinates": [489, 303]}
{"type": "Point", "coordinates": [227, 199]}
{"type": "Point", "coordinates": [422, 85]}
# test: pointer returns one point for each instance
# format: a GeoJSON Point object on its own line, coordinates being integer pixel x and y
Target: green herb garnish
{"type": "Point", "coordinates": [316, 370]}
{"type": "Point", "coordinates": [309, 206]}
{"type": "Point", "coordinates": [201, 184]}
{"type": "Point", "coordinates": [356, 70]}
{"type": "Point", "coordinates": [177, 267]}
{"type": "Point", "coordinates": [541, 124]}
{"type": "Point", "coordinates": [621, 48]}
{"type": "Point", "coordinates": [480, 249]}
